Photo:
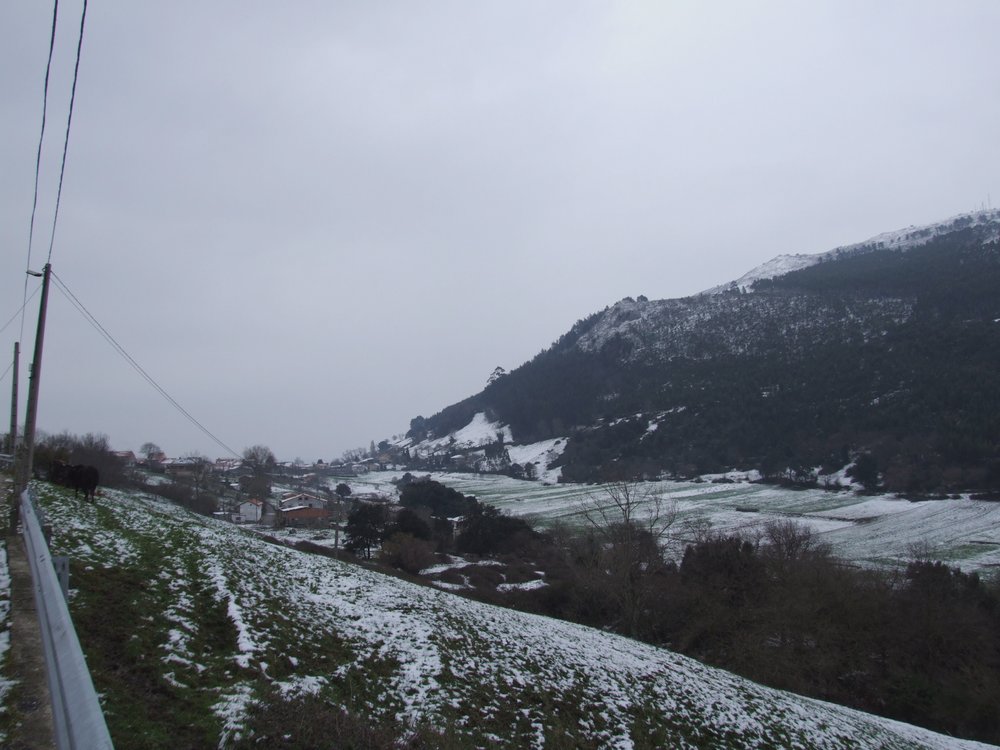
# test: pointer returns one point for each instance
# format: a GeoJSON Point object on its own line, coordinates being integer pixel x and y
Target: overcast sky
{"type": "Point", "coordinates": [313, 221]}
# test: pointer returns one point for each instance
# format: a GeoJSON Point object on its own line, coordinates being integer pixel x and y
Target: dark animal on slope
{"type": "Point", "coordinates": [59, 472]}
{"type": "Point", "coordinates": [78, 476]}
{"type": "Point", "coordinates": [84, 478]}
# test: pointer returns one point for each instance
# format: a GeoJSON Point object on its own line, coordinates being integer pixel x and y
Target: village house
{"type": "Point", "coordinates": [304, 515]}
{"type": "Point", "coordinates": [293, 499]}
{"type": "Point", "coordinates": [126, 457]}
{"type": "Point", "coordinates": [227, 466]}
{"type": "Point", "coordinates": [189, 467]}
{"type": "Point", "coordinates": [249, 511]}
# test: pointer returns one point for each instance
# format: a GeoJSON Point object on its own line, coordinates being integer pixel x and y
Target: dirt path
{"type": "Point", "coordinates": [30, 702]}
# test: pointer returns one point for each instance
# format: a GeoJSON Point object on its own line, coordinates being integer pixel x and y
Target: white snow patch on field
{"type": "Point", "coordinates": [526, 586]}
{"type": "Point", "coordinates": [862, 529]}
{"type": "Point", "coordinates": [6, 683]}
{"type": "Point", "coordinates": [456, 562]}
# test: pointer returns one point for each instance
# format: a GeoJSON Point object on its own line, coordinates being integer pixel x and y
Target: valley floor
{"type": "Point", "coordinates": [868, 530]}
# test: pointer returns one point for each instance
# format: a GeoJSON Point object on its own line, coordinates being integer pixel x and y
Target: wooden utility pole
{"type": "Point", "coordinates": [12, 448]}
{"type": "Point", "coordinates": [27, 453]}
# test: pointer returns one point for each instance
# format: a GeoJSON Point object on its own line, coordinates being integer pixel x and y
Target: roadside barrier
{"type": "Point", "coordinates": [76, 712]}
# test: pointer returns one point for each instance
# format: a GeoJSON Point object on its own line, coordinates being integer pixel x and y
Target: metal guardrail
{"type": "Point", "coordinates": [76, 713]}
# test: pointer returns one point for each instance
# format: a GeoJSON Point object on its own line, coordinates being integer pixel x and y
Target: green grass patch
{"type": "Point", "coordinates": [123, 648]}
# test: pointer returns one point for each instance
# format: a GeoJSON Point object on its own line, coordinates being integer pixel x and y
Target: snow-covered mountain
{"type": "Point", "coordinates": [887, 346]}
{"type": "Point", "coordinates": [900, 239]}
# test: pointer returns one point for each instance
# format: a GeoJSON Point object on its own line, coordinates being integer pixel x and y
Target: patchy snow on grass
{"type": "Point", "coordinates": [455, 562]}
{"type": "Point", "coordinates": [733, 475]}
{"type": "Point", "coordinates": [449, 586]}
{"type": "Point", "coordinates": [526, 586]}
{"type": "Point", "coordinates": [6, 682]}
{"type": "Point", "coordinates": [233, 708]}
{"type": "Point", "coordinates": [245, 640]}
{"type": "Point", "coordinates": [422, 656]}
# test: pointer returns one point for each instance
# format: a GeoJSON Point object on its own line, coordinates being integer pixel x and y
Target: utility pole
{"type": "Point", "coordinates": [13, 400]}
{"type": "Point", "coordinates": [27, 452]}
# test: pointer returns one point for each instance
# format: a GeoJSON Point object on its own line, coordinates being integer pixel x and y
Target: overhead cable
{"type": "Point", "coordinates": [21, 309]}
{"type": "Point", "coordinates": [61, 285]}
{"type": "Point", "coordinates": [38, 156]}
{"type": "Point", "coordinates": [69, 122]}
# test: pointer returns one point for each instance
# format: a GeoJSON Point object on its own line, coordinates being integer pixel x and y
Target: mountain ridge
{"type": "Point", "coordinates": [884, 347]}
{"type": "Point", "coordinates": [900, 239]}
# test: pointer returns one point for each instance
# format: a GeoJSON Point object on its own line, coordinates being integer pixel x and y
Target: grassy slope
{"type": "Point", "coordinates": [187, 622]}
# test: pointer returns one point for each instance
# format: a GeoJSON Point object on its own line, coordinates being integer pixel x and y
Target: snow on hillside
{"type": "Point", "coordinates": [308, 624]}
{"type": "Point", "coordinates": [742, 325]}
{"type": "Point", "coordinates": [778, 266]}
{"type": "Point", "coordinates": [542, 455]}
{"type": "Point", "coordinates": [900, 239]}
{"type": "Point", "coordinates": [481, 432]}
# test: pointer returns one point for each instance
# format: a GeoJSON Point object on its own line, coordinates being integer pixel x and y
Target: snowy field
{"type": "Point", "coordinates": [224, 619]}
{"type": "Point", "coordinates": [867, 530]}
{"type": "Point", "coordinates": [864, 530]}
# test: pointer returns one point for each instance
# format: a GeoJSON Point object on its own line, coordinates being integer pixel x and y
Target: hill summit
{"type": "Point", "coordinates": [885, 350]}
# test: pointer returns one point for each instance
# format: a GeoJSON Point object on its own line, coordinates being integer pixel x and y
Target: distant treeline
{"type": "Point", "coordinates": [91, 449]}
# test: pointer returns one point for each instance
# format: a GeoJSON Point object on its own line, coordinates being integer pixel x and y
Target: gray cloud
{"type": "Point", "coordinates": [311, 222]}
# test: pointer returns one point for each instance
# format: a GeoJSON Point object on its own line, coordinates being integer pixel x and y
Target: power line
{"type": "Point", "coordinates": [38, 156]}
{"type": "Point", "coordinates": [69, 122]}
{"type": "Point", "coordinates": [21, 309]}
{"type": "Point", "coordinates": [61, 285]}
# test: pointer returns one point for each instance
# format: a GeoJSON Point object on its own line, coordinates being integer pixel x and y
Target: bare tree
{"type": "Point", "coordinates": [261, 461]}
{"type": "Point", "coordinates": [789, 541]}
{"type": "Point", "coordinates": [635, 505]}
{"type": "Point", "coordinates": [919, 551]}
{"type": "Point", "coordinates": [149, 449]}
{"type": "Point", "coordinates": [198, 470]}
{"type": "Point", "coordinates": [629, 522]}
{"type": "Point", "coordinates": [259, 458]}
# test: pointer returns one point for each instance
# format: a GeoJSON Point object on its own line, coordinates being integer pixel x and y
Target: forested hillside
{"type": "Point", "coordinates": [887, 349]}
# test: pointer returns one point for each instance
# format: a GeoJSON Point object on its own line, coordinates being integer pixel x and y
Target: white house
{"type": "Point", "coordinates": [249, 511]}
{"type": "Point", "coordinates": [302, 499]}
